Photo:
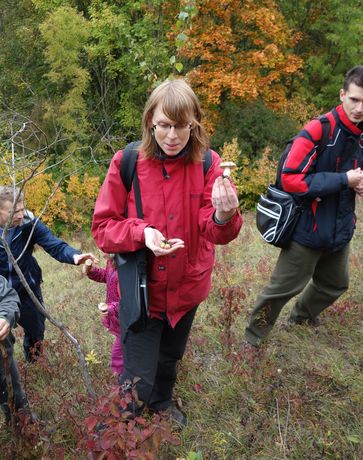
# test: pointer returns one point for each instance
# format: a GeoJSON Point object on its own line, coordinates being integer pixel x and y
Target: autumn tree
{"type": "Point", "coordinates": [240, 50]}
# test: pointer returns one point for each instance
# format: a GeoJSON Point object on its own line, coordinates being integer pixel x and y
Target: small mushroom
{"type": "Point", "coordinates": [102, 306]}
{"type": "Point", "coordinates": [227, 167]}
{"type": "Point", "coordinates": [89, 262]}
{"type": "Point", "coordinates": [165, 244]}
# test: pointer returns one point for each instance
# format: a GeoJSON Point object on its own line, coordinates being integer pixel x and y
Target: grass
{"type": "Point", "coordinates": [299, 398]}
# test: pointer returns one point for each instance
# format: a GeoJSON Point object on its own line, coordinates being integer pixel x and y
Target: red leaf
{"type": "Point", "coordinates": [91, 422]}
{"type": "Point", "coordinates": [198, 387]}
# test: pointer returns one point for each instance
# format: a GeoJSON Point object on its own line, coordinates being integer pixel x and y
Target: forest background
{"type": "Point", "coordinates": [75, 74]}
{"type": "Point", "coordinates": [74, 77]}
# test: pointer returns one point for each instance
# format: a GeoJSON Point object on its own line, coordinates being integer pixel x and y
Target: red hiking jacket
{"type": "Point", "coordinates": [179, 205]}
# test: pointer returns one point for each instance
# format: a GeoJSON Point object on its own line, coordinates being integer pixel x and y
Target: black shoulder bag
{"type": "Point", "coordinates": [131, 266]}
{"type": "Point", "coordinates": [277, 211]}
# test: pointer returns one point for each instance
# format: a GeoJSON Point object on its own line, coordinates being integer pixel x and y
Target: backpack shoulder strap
{"type": "Point", "coordinates": [322, 143]}
{"type": "Point", "coordinates": [128, 164]}
{"type": "Point", "coordinates": [324, 140]}
{"type": "Point", "coordinates": [129, 159]}
{"type": "Point", "coordinates": [207, 161]}
{"type": "Point", "coordinates": [128, 174]}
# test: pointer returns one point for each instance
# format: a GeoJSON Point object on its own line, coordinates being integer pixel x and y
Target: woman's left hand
{"type": "Point", "coordinates": [224, 199]}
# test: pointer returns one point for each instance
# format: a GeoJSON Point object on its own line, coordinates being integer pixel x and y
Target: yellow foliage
{"type": "Point", "coordinates": [256, 177]}
{"type": "Point", "coordinates": [9, 172]}
{"type": "Point", "coordinates": [231, 152]}
{"type": "Point", "coordinates": [81, 197]}
{"type": "Point", "coordinates": [91, 358]}
{"type": "Point", "coordinates": [250, 178]}
{"type": "Point", "coordinates": [73, 206]}
{"type": "Point", "coordinates": [44, 199]}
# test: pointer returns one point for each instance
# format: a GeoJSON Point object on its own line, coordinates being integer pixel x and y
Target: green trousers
{"type": "Point", "coordinates": [321, 276]}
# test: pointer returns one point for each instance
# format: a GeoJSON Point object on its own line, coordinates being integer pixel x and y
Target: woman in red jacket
{"type": "Point", "coordinates": [191, 210]}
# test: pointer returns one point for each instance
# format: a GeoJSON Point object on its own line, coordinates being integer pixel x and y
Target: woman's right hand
{"type": "Point", "coordinates": [154, 238]}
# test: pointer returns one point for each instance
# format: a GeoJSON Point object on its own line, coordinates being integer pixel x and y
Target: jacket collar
{"type": "Point", "coordinates": [160, 155]}
{"type": "Point", "coordinates": [355, 129]}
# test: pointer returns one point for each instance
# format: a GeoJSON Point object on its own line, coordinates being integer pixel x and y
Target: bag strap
{"type": "Point", "coordinates": [129, 175]}
{"type": "Point", "coordinates": [324, 140]}
{"type": "Point", "coordinates": [322, 143]}
{"type": "Point", "coordinates": [140, 214]}
{"type": "Point", "coordinates": [128, 164]}
{"type": "Point", "coordinates": [207, 161]}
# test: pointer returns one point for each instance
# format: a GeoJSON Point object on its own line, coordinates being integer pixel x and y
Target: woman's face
{"type": "Point", "coordinates": [171, 136]}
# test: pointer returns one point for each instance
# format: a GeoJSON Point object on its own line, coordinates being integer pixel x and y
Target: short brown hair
{"type": "Point", "coordinates": [354, 75]}
{"type": "Point", "coordinates": [12, 194]}
{"type": "Point", "coordinates": [180, 104]}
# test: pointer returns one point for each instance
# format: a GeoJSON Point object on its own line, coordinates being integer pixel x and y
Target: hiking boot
{"type": "Point", "coordinates": [313, 322]}
{"type": "Point", "coordinates": [175, 416]}
{"type": "Point", "coordinates": [32, 354]}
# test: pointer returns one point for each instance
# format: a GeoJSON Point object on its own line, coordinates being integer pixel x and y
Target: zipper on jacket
{"type": "Point", "coordinates": [10, 268]}
{"type": "Point", "coordinates": [165, 173]}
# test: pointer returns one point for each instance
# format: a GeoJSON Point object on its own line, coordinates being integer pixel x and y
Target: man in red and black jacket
{"type": "Point", "coordinates": [315, 263]}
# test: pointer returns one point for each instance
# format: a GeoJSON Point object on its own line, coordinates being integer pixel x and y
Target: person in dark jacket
{"type": "Point", "coordinates": [316, 262]}
{"type": "Point", "coordinates": [9, 315]}
{"type": "Point", "coordinates": [23, 234]}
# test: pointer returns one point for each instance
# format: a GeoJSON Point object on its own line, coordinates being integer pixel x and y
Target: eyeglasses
{"type": "Point", "coordinates": [180, 128]}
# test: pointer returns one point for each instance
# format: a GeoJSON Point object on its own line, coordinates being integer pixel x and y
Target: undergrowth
{"type": "Point", "coordinates": [299, 397]}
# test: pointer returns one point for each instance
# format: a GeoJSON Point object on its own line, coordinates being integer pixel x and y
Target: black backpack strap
{"type": "Point", "coordinates": [324, 140]}
{"type": "Point", "coordinates": [137, 194]}
{"type": "Point", "coordinates": [128, 164]}
{"type": "Point", "coordinates": [207, 161]}
{"type": "Point", "coordinates": [128, 169]}
{"type": "Point", "coordinates": [321, 145]}
{"type": "Point", "coordinates": [128, 176]}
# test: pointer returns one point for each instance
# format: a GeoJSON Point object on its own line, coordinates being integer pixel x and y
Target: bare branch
{"type": "Point", "coordinates": [59, 325]}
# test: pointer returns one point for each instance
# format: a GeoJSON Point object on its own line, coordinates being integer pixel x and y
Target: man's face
{"type": "Point", "coordinates": [5, 211]}
{"type": "Point", "coordinates": [352, 100]}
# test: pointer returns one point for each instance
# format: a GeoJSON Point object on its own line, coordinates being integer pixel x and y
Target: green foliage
{"type": "Point", "coordinates": [65, 33]}
{"type": "Point", "coordinates": [255, 126]}
{"type": "Point", "coordinates": [126, 55]}
{"type": "Point", "coordinates": [82, 69]}
{"type": "Point", "coordinates": [331, 43]}
{"type": "Point", "coordinates": [21, 60]}
{"type": "Point", "coordinates": [195, 455]}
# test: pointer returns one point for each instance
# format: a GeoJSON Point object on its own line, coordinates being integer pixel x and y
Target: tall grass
{"type": "Point", "coordinates": [300, 397]}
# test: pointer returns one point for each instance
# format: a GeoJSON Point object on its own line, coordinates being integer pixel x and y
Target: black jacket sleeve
{"type": "Point", "coordinates": [9, 303]}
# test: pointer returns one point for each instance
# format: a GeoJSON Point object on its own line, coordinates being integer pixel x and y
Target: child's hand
{"type": "Point", "coordinates": [103, 308]}
{"type": "Point", "coordinates": [87, 267]}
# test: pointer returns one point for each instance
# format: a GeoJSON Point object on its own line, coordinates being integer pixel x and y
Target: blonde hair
{"type": "Point", "coordinates": [181, 105]}
{"type": "Point", "coordinates": [12, 194]}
